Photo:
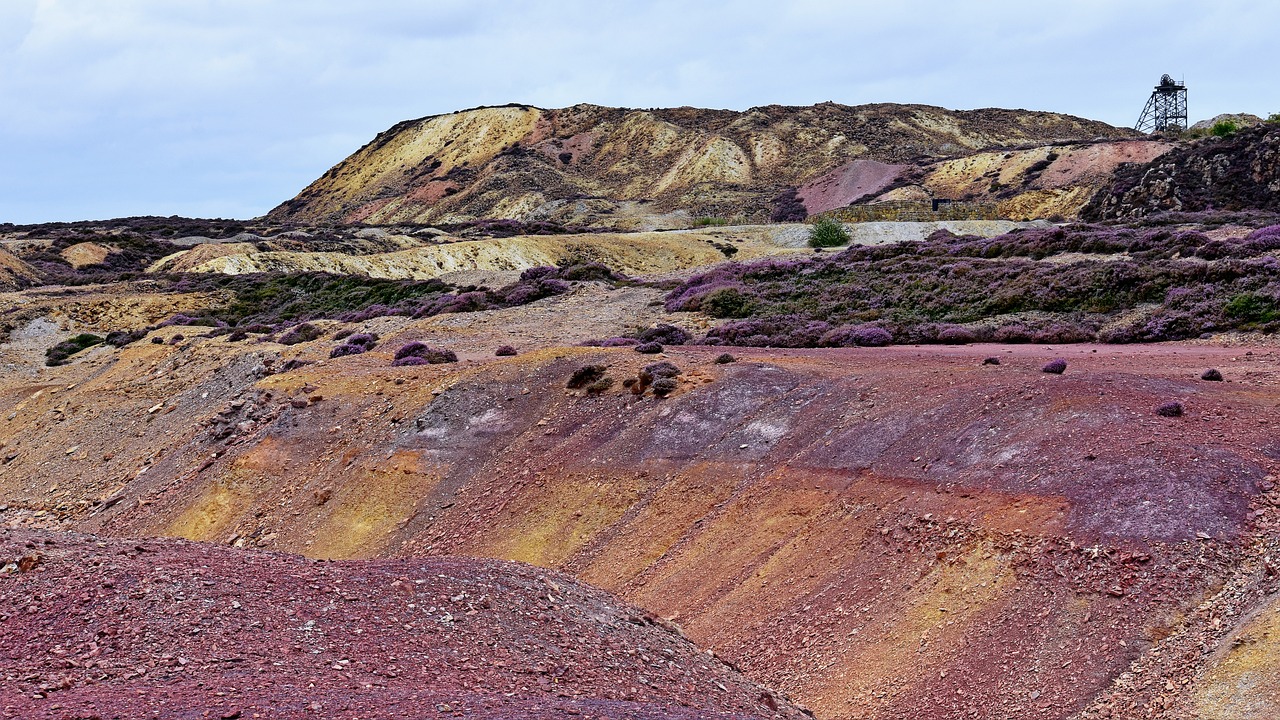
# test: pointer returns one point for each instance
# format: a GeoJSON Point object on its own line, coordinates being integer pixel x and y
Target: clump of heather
{"type": "Point", "coordinates": [856, 336]}
{"type": "Point", "coordinates": [993, 361]}
{"type": "Point", "coordinates": [505, 351]}
{"type": "Point", "coordinates": [1057, 366]}
{"type": "Point", "coordinates": [304, 332]}
{"type": "Point", "coordinates": [1211, 375]}
{"type": "Point", "coordinates": [1170, 409]}
{"type": "Point", "coordinates": [649, 348]}
{"type": "Point", "coordinates": [355, 345]}
{"type": "Point", "coordinates": [419, 353]}
{"type": "Point", "coordinates": [585, 375]}
{"type": "Point", "coordinates": [725, 359]}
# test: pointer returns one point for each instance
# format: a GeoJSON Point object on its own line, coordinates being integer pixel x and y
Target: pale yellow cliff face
{"type": "Point", "coordinates": [466, 139]}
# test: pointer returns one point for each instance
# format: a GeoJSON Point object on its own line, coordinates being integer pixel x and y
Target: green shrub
{"type": "Point", "coordinates": [1273, 119]}
{"type": "Point", "coordinates": [710, 221]}
{"type": "Point", "coordinates": [1224, 128]}
{"type": "Point", "coordinates": [728, 303]}
{"type": "Point", "coordinates": [58, 354]}
{"type": "Point", "coordinates": [827, 233]}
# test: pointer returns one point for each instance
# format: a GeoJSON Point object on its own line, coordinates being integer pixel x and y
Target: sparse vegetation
{"type": "Point", "coordinates": [1211, 375]}
{"type": "Point", "coordinates": [505, 351]}
{"type": "Point", "coordinates": [710, 222]}
{"type": "Point", "coordinates": [1170, 410]}
{"type": "Point", "coordinates": [997, 289]}
{"type": "Point", "coordinates": [58, 354]}
{"type": "Point", "coordinates": [725, 359]}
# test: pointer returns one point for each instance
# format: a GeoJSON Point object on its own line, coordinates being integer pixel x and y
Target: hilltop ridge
{"type": "Point", "coordinates": [627, 168]}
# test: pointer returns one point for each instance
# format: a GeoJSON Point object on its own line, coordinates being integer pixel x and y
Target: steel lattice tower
{"type": "Point", "coordinates": [1167, 108]}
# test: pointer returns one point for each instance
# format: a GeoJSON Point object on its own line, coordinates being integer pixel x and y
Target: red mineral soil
{"type": "Point", "coordinates": [899, 532]}
{"type": "Point", "coordinates": [847, 184]}
{"type": "Point", "coordinates": [167, 628]}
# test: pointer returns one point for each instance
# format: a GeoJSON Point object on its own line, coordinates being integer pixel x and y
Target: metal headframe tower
{"type": "Point", "coordinates": [1167, 107]}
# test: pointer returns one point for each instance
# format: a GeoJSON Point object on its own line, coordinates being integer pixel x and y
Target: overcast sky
{"type": "Point", "coordinates": [225, 108]}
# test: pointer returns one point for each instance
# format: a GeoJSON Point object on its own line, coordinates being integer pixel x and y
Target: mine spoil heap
{"type": "Point", "coordinates": [125, 629]}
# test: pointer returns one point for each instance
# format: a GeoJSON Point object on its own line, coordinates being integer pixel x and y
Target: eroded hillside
{"type": "Point", "coordinates": [878, 532]}
{"type": "Point", "coordinates": [644, 168]}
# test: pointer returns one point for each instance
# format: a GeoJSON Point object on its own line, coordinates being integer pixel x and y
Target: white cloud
{"type": "Point", "coordinates": [230, 106]}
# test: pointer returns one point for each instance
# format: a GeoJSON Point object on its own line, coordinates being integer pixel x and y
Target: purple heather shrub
{"type": "Point", "coordinates": [856, 336]}
{"type": "Point", "coordinates": [1057, 366]}
{"type": "Point", "coordinates": [1062, 332]}
{"type": "Point", "coordinates": [649, 348]}
{"type": "Point", "coordinates": [662, 369]}
{"type": "Point", "coordinates": [424, 352]}
{"type": "Point", "coordinates": [665, 334]}
{"type": "Point", "coordinates": [991, 361]}
{"type": "Point", "coordinates": [538, 273]}
{"type": "Point", "coordinates": [410, 361]}
{"type": "Point", "coordinates": [955, 335]}
{"type": "Point", "coordinates": [664, 386]}
{"type": "Point", "coordinates": [505, 351]}
{"type": "Point", "coordinates": [305, 332]}
{"type": "Point", "coordinates": [725, 359]}
{"type": "Point", "coordinates": [365, 340]}
{"type": "Point", "coordinates": [1170, 409]}
{"type": "Point", "coordinates": [1211, 375]}
{"type": "Point", "coordinates": [344, 333]}
{"type": "Point", "coordinates": [1012, 333]}
{"type": "Point", "coordinates": [411, 349]}
{"type": "Point", "coordinates": [345, 350]}
{"type": "Point", "coordinates": [293, 364]}
{"type": "Point", "coordinates": [777, 331]}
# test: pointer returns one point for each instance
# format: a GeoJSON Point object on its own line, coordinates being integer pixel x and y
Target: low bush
{"type": "Point", "coordinates": [585, 375]}
{"type": "Point", "coordinates": [649, 348]}
{"type": "Point", "coordinates": [355, 345]}
{"type": "Point", "coordinates": [1170, 409]}
{"type": "Point", "coordinates": [58, 354]}
{"type": "Point", "coordinates": [664, 386]}
{"type": "Point", "coordinates": [599, 386]}
{"type": "Point", "coordinates": [1211, 375]}
{"type": "Point", "coordinates": [419, 353]}
{"type": "Point", "coordinates": [1057, 366]}
{"type": "Point", "coordinates": [856, 336]}
{"type": "Point", "coordinates": [991, 361]}
{"type": "Point", "coordinates": [1223, 128]}
{"type": "Point", "coordinates": [725, 359]}
{"type": "Point", "coordinates": [304, 332]}
{"type": "Point", "coordinates": [827, 232]}
{"type": "Point", "coordinates": [505, 351]}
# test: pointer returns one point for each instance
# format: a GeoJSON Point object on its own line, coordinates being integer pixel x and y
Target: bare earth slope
{"type": "Point", "coordinates": [594, 163]}
{"type": "Point", "coordinates": [127, 629]}
{"type": "Point", "coordinates": [888, 533]}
